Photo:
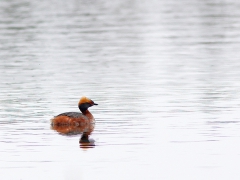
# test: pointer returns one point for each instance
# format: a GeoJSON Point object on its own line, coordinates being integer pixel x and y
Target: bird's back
{"type": "Point", "coordinates": [71, 114]}
{"type": "Point", "coordinates": [69, 118]}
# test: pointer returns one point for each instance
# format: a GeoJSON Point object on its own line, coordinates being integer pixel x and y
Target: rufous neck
{"type": "Point", "coordinates": [85, 112]}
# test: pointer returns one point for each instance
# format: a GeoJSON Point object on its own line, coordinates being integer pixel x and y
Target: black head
{"type": "Point", "coordinates": [85, 103]}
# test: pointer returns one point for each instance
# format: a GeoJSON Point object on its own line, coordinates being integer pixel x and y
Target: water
{"type": "Point", "coordinates": [165, 75]}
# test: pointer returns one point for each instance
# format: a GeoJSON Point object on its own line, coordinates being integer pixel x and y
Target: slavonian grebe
{"type": "Point", "coordinates": [76, 118]}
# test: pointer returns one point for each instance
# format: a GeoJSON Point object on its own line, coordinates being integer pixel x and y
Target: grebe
{"type": "Point", "coordinates": [76, 118]}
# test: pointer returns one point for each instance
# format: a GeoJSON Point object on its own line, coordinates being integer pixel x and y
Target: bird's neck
{"type": "Point", "coordinates": [83, 107]}
{"type": "Point", "coordinates": [85, 111]}
{"type": "Point", "coordinates": [88, 114]}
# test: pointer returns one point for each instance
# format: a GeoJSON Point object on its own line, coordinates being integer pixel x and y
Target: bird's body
{"type": "Point", "coordinates": [76, 118]}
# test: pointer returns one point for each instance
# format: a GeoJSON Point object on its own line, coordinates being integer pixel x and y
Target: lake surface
{"type": "Point", "coordinates": [165, 75]}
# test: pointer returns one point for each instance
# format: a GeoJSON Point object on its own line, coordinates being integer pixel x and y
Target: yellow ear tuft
{"type": "Point", "coordinates": [84, 99]}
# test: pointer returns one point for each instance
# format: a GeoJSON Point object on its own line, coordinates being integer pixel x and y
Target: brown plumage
{"type": "Point", "coordinates": [76, 118]}
{"type": "Point", "coordinates": [73, 130]}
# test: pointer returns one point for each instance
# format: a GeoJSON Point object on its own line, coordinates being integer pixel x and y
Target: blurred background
{"type": "Point", "coordinates": [164, 73]}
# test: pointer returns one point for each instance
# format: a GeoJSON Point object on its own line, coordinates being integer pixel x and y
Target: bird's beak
{"type": "Point", "coordinates": [95, 104]}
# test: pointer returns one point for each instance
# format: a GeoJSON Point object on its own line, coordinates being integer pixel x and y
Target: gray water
{"type": "Point", "coordinates": [165, 75]}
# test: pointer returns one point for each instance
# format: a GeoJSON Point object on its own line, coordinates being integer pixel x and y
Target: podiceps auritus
{"type": "Point", "coordinates": [76, 118]}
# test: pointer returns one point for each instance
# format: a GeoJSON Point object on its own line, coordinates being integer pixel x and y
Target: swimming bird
{"type": "Point", "coordinates": [76, 118]}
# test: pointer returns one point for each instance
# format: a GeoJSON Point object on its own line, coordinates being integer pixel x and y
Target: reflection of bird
{"type": "Point", "coordinates": [86, 130]}
{"type": "Point", "coordinates": [85, 142]}
{"type": "Point", "coordinates": [73, 129]}
{"type": "Point", "coordinates": [76, 118]}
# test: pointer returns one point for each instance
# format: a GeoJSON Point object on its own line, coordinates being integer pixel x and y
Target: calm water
{"type": "Point", "coordinates": [165, 75]}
